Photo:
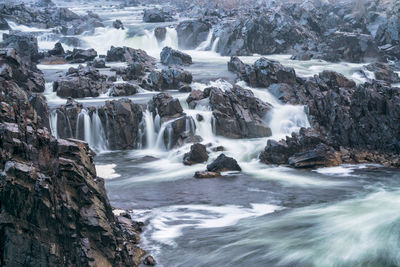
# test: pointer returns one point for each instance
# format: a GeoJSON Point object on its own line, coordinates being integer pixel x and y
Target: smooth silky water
{"type": "Point", "coordinates": [263, 216]}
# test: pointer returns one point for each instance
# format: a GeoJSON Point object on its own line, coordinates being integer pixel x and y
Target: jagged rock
{"type": "Point", "coordinates": [160, 33]}
{"type": "Point", "coordinates": [263, 72]}
{"type": "Point", "coordinates": [117, 24]}
{"type": "Point", "coordinates": [321, 155]}
{"type": "Point", "coordinates": [81, 82]}
{"type": "Point", "coordinates": [123, 89]}
{"type": "Point", "coordinates": [58, 50]}
{"type": "Point", "coordinates": [129, 55]}
{"type": "Point", "coordinates": [170, 56]}
{"type": "Point", "coordinates": [223, 164]}
{"type": "Point", "coordinates": [81, 55]}
{"type": "Point", "coordinates": [156, 15]}
{"type": "Point", "coordinates": [149, 260]}
{"type": "Point", "coordinates": [25, 44]}
{"type": "Point", "coordinates": [98, 63]}
{"type": "Point", "coordinates": [197, 154]}
{"type": "Point", "coordinates": [191, 33]}
{"type": "Point", "coordinates": [44, 223]}
{"type": "Point", "coordinates": [4, 24]}
{"type": "Point", "coordinates": [166, 106]}
{"type": "Point", "coordinates": [170, 78]}
{"type": "Point", "coordinates": [383, 72]}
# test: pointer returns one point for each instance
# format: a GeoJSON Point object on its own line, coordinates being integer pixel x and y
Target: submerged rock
{"type": "Point", "coordinates": [156, 15]}
{"type": "Point", "coordinates": [206, 174]}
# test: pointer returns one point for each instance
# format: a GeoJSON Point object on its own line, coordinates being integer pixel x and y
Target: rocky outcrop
{"type": "Point", "coordinates": [81, 55]}
{"type": "Point", "coordinates": [123, 89]}
{"type": "Point", "coordinates": [197, 154]}
{"type": "Point", "coordinates": [383, 72]}
{"type": "Point", "coordinates": [191, 33]}
{"type": "Point", "coordinates": [25, 44]}
{"type": "Point", "coordinates": [171, 56]}
{"type": "Point", "coordinates": [54, 208]}
{"type": "Point", "coordinates": [156, 15]}
{"type": "Point", "coordinates": [237, 112]}
{"type": "Point", "coordinates": [4, 24]}
{"type": "Point", "coordinates": [81, 82]}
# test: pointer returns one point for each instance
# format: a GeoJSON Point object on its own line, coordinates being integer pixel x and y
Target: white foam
{"type": "Point", "coordinates": [107, 171]}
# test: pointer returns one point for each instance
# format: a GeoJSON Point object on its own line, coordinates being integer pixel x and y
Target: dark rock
{"type": "Point", "coordinates": [81, 55]}
{"type": "Point", "coordinates": [191, 33]}
{"type": "Point", "coordinates": [117, 24]}
{"type": "Point", "coordinates": [4, 24]}
{"type": "Point", "coordinates": [25, 44]}
{"type": "Point", "coordinates": [384, 72]}
{"type": "Point", "coordinates": [170, 78]}
{"type": "Point", "coordinates": [166, 106]}
{"type": "Point", "coordinates": [98, 63]}
{"type": "Point", "coordinates": [199, 117]}
{"type": "Point", "coordinates": [197, 154]}
{"type": "Point", "coordinates": [156, 15]}
{"type": "Point", "coordinates": [223, 164]}
{"type": "Point", "coordinates": [129, 55]}
{"type": "Point", "coordinates": [160, 33]}
{"type": "Point", "coordinates": [149, 260]}
{"type": "Point", "coordinates": [321, 155]}
{"type": "Point", "coordinates": [58, 50]}
{"type": "Point", "coordinates": [185, 88]}
{"type": "Point", "coordinates": [170, 56]}
{"type": "Point", "coordinates": [123, 89]}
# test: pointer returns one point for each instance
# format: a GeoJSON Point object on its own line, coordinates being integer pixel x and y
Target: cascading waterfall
{"type": "Point", "coordinates": [214, 45]}
{"type": "Point", "coordinates": [207, 43]}
{"type": "Point", "coordinates": [53, 123]}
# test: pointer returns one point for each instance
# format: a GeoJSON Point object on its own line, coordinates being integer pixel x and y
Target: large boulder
{"type": "Point", "coordinates": [25, 44]}
{"type": "Point", "coordinates": [191, 33]}
{"type": "Point", "coordinates": [129, 55]}
{"type": "Point", "coordinates": [171, 56]}
{"type": "Point", "coordinates": [383, 72]}
{"type": "Point", "coordinates": [223, 164]}
{"type": "Point", "coordinates": [81, 82]}
{"type": "Point", "coordinates": [4, 24]}
{"type": "Point", "coordinates": [170, 78]}
{"type": "Point", "coordinates": [123, 89]}
{"type": "Point", "coordinates": [117, 24]}
{"type": "Point", "coordinates": [165, 106]}
{"type": "Point", "coordinates": [160, 33]}
{"type": "Point", "coordinates": [198, 154]}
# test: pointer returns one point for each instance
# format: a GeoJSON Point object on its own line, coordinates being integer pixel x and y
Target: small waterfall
{"type": "Point", "coordinates": [53, 123]}
{"type": "Point", "coordinates": [214, 45]}
{"type": "Point", "coordinates": [207, 43]}
{"type": "Point", "coordinates": [148, 40]}
{"type": "Point", "coordinates": [286, 119]}
{"type": "Point", "coordinates": [150, 132]}
{"type": "Point", "coordinates": [93, 132]}
{"type": "Point", "coordinates": [98, 137]}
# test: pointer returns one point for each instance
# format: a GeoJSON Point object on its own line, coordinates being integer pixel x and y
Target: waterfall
{"type": "Point", "coordinates": [215, 44]}
{"type": "Point", "coordinates": [149, 42]}
{"type": "Point", "coordinates": [207, 43]}
{"type": "Point", "coordinates": [98, 137]}
{"type": "Point", "coordinates": [53, 123]}
{"type": "Point", "coordinates": [93, 131]}
{"type": "Point", "coordinates": [149, 129]}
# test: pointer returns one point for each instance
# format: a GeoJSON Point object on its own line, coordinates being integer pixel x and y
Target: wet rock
{"type": "Point", "coordinates": [171, 56]}
{"type": "Point", "coordinates": [191, 33]}
{"type": "Point", "coordinates": [199, 117]}
{"type": "Point", "coordinates": [117, 24]}
{"type": "Point", "coordinates": [321, 155]}
{"type": "Point", "coordinates": [223, 164]}
{"type": "Point", "coordinates": [58, 50]}
{"type": "Point", "coordinates": [206, 174]}
{"type": "Point", "coordinates": [43, 222]}
{"type": "Point", "coordinates": [4, 24]}
{"type": "Point", "coordinates": [160, 33]}
{"type": "Point", "coordinates": [170, 78]}
{"type": "Point", "coordinates": [98, 63]}
{"type": "Point", "coordinates": [121, 119]}
{"type": "Point", "coordinates": [165, 105]}
{"type": "Point", "coordinates": [25, 44]}
{"type": "Point", "coordinates": [81, 82]}
{"type": "Point", "coordinates": [123, 89]}
{"type": "Point", "coordinates": [81, 55]}
{"type": "Point", "coordinates": [197, 154]}
{"type": "Point", "coordinates": [185, 88]}
{"type": "Point", "coordinates": [156, 15]}
{"type": "Point", "coordinates": [384, 72]}
{"type": "Point", "coordinates": [149, 260]}
{"type": "Point", "coordinates": [129, 55]}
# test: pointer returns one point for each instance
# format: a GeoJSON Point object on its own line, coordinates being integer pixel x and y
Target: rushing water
{"type": "Point", "coordinates": [263, 216]}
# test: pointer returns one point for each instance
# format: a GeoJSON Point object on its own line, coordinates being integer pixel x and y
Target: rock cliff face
{"type": "Point", "coordinates": [53, 208]}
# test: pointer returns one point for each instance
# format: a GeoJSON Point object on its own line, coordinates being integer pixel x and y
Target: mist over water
{"type": "Point", "coordinates": [265, 215]}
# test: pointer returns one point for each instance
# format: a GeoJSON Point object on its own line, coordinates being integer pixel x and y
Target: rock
{"type": "Point", "coordinates": [164, 105]}
{"type": "Point", "coordinates": [206, 174]}
{"type": "Point", "coordinates": [25, 44]}
{"type": "Point", "coordinates": [185, 88]}
{"type": "Point", "coordinates": [98, 63]}
{"type": "Point", "coordinates": [191, 33]}
{"type": "Point", "coordinates": [321, 155]}
{"type": "Point", "coordinates": [4, 24]}
{"type": "Point", "coordinates": [170, 56]}
{"type": "Point", "coordinates": [43, 222]}
{"type": "Point", "coordinates": [197, 154]}
{"type": "Point", "coordinates": [129, 55]}
{"type": "Point", "coordinates": [383, 72]}
{"type": "Point", "coordinates": [45, 3]}
{"type": "Point", "coordinates": [81, 55]}
{"type": "Point", "coordinates": [156, 15]}
{"type": "Point", "coordinates": [81, 82]}
{"type": "Point", "coordinates": [117, 24]}
{"type": "Point", "coordinates": [123, 89]}
{"type": "Point", "coordinates": [223, 164]}
{"type": "Point", "coordinates": [58, 50]}
{"type": "Point", "coordinates": [199, 117]}
{"type": "Point", "coordinates": [149, 260]}
{"type": "Point", "coordinates": [170, 78]}
{"type": "Point", "coordinates": [160, 33]}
